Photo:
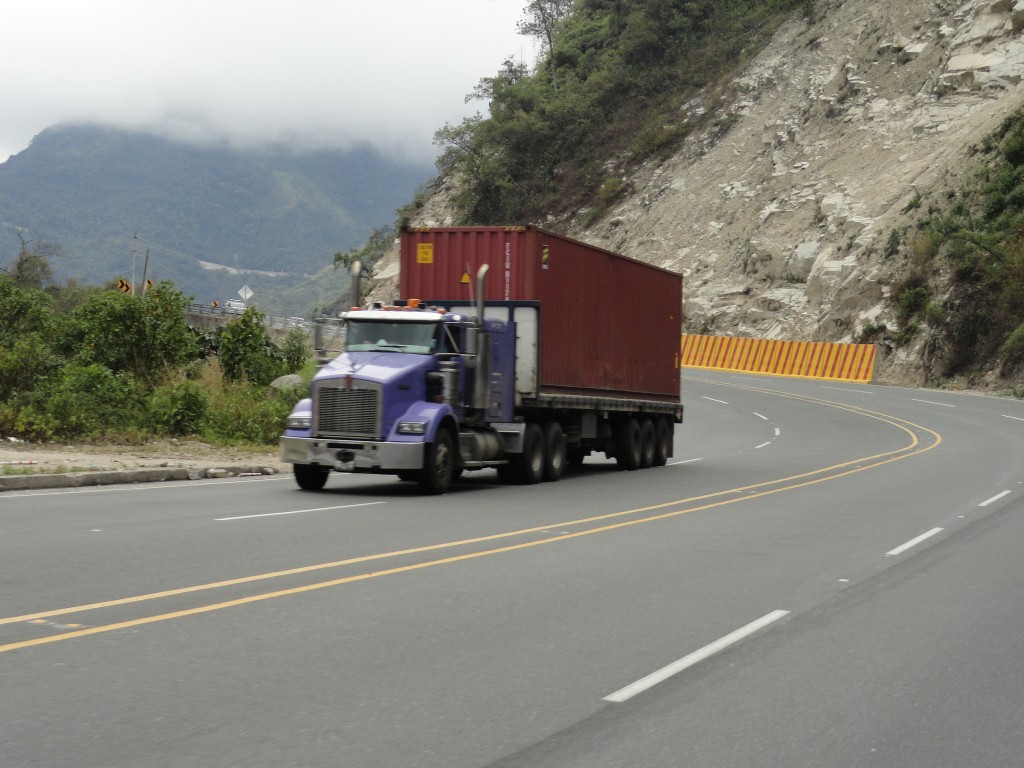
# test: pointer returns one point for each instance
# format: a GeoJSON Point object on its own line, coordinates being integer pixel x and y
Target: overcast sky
{"type": "Point", "coordinates": [310, 73]}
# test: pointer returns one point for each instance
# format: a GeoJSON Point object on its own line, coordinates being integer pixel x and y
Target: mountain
{"type": "Point", "coordinates": [807, 206]}
{"type": "Point", "coordinates": [211, 219]}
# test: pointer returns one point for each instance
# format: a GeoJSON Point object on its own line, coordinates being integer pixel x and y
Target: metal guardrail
{"type": "Point", "coordinates": [204, 311]}
{"type": "Point", "coordinates": [328, 332]}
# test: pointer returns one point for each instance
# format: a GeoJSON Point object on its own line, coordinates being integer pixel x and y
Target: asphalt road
{"type": "Point", "coordinates": [824, 575]}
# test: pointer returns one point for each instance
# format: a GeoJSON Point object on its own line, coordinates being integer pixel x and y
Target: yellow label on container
{"type": "Point", "coordinates": [425, 253]}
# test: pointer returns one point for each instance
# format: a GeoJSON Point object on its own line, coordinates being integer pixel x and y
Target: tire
{"type": "Point", "coordinates": [627, 445]}
{"type": "Point", "coordinates": [662, 442]}
{"type": "Point", "coordinates": [531, 460]}
{"type": "Point", "coordinates": [554, 451]}
{"type": "Point", "coordinates": [525, 468]}
{"type": "Point", "coordinates": [647, 443]}
{"type": "Point", "coordinates": [439, 461]}
{"type": "Point", "coordinates": [311, 477]}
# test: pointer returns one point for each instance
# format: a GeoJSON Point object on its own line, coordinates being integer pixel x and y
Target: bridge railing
{"type": "Point", "coordinates": [328, 333]}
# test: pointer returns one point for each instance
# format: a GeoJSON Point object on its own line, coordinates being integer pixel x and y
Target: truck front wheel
{"type": "Point", "coordinates": [438, 464]}
{"type": "Point", "coordinates": [311, 477]}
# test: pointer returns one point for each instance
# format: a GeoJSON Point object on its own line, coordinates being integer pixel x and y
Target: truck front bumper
{"type": "Point", "coordinates": [352, 455]}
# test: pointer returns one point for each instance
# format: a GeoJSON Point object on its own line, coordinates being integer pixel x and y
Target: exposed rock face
{"type": "Point", "coordinates": [780, 224]}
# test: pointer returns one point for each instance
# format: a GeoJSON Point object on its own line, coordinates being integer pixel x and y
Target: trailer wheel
{"type": "Point", "coordinates": [310, 477]}
{"type": "Point", "coordinates": [662, 441]}
{"type": "Point", "coordinates": [647, 443]}
{"type": "Point", "coordinates": [628, 445]}
{"type": "Point", "coordinates": [438, 464]}
{"type": "Point", "coordinates": [554, 451]}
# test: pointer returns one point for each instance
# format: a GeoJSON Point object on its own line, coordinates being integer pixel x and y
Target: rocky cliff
{"type": "Point", "coordinates": [781, 215]}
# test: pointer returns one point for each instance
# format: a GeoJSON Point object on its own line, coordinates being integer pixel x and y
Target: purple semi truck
{"type": "Point", "coordinates": [428, 390]}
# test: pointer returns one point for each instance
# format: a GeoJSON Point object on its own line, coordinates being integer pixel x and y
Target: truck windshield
{"type": "Point", "coordinates": [378, 335]}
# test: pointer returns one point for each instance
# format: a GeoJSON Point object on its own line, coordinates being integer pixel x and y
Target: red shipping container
{"type": "Point", "coordinates": [610, 325]}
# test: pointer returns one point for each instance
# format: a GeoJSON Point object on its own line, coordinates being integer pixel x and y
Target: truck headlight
{"type": "Point", "coordinates": [412, 427]}
{"type": "Point", "coordinates": [298, 422]}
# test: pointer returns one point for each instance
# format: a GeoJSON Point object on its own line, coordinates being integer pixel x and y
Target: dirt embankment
{"type": "Point", "coordinates": [22, 457]}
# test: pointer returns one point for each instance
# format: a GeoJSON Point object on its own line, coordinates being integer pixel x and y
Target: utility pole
{"type": "Point", "coordinates": [135, 240]}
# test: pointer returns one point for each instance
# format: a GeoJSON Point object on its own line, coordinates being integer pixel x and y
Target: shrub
{"type": "Point", "coordinates": [249, 414]}
{"type": "Point", "coordinates": [84, 402]}
{"type": "Point", "coordinates": [144, 336]}
{"type": "Point", "coordinates": [179, 409]}
{"type": "Point", "coordinates": [24, 310]}
{"type": "Point", "coordinates": [294, 351]}
{"type": "Point", "coordinates": [246, 352]}
{"type": "Point", "coordinates": [1012, 350]}
{"type": "Point", "coordinates": [24, 363]}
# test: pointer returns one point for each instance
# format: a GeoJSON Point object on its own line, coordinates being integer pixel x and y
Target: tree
{"type": "Point", "coordinates": [32, 267]}
{"type": "Point", "coordinates": [144, 336]}
{"type": "Point", "coordinates": [24, 310]}
{"type": "Point", "coordinates": [542, 18]}
{"type": "Point", "coordinates": [246, 352]}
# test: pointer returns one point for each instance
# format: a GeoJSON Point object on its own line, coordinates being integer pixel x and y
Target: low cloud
{"type": "Point", "coordinates": [305, 73]}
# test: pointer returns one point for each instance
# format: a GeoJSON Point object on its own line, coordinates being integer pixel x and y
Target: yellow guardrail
{"type": "Point", "coordinates": [799, 359]}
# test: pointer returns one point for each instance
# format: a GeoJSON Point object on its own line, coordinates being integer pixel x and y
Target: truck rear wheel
{"type": "Point", "coordinates": [438, 464]}
{"type": "Point", "coordinates": [647, 443]}
{"type": "Point", "coordinates": [311, 477]}
{"type": "Point", "coordinates": [554, 451]}
{"type": "Point", "coordinates": [662, 441]}
{"type": "Point", "coordinates": [627, 445]}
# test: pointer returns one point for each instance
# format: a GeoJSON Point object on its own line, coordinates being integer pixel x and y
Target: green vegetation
{"type": "Point", "coordinates": [607, 96]}
{"type": "Point", "coordinates": [97, 364]}
{"type": "Point", "coordinates": [978, 234]}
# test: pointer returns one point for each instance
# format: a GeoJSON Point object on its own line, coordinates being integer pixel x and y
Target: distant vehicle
{"type": "Point", "coordinates": [295, 322]}
{"type": "Point", "coordinates": [234, 307]}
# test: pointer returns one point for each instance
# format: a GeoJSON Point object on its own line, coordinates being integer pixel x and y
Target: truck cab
{"type": "Point", "coordinates": [416, 393]}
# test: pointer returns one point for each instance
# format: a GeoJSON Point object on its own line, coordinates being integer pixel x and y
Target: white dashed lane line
{"type": "Point", "coordinates": [913, 542]}
{"type": "Point", "coordinates": [645, 683]}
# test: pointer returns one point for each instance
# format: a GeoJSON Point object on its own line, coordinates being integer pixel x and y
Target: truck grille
{"type": "Point", "coordinates": [347, 412]}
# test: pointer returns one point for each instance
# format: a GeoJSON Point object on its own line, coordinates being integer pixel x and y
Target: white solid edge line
{"type": "Point", "coordinates": [1015, 418]}
{"type": "Point", "coordinates": [995, 498]}
{"type": "Point", "coordinates": [913, 542]}
{"type": "Point", "coordinates": [298, 511]}
{"type": "Point", "coordinates": [713, 400]}
{"type": "Point", "coordinates": [624, 694]}
{"type": "Point", "coordinates": [683, 461]}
